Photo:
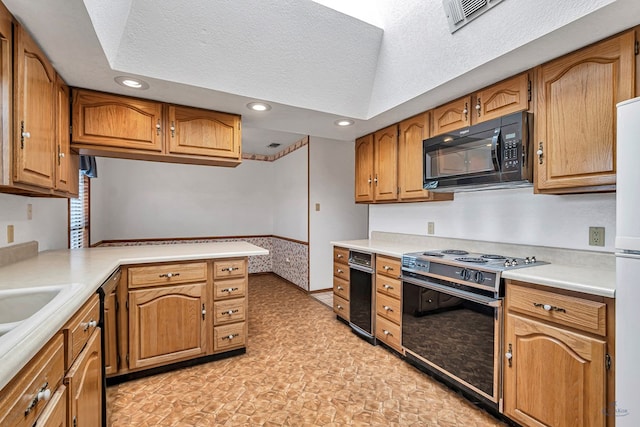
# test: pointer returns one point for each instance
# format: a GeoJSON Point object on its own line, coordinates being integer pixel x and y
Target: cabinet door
{"type": "Point", "coordinates": [110, 334]}
{"type": "Point", "coordinates": [55, 414]}
{"type": "Point", "coordinates": [203, 133]}
{"type": "Point", "coordinates": [166, 324]}
{"type": "Point", "coordinates": [508, 96]}
{"type": "Point", "coordinates": [386, 164]}
{"type": "Point", "coordinates": [556, 377]}
{"type": "Point", "coordinates": [84, 383]}
{"type": "Point", "coordinates": [576, 114]}
{"type": "Point", "coordinates": [66, 163]}
{"type": "Point", "coordinates": [452, 116]}
{"type": "Point", "coordinates": [34, 115]}
{"type": "Point", "coordinates": [6, 99]}
{"type": "Point", "coordinates": [364, 169]}
{"type": "Point", "coordinates": [100, 119]}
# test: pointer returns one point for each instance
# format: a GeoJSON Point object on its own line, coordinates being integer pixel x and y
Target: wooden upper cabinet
{"type": "Point", "coordinates": [410, 158]}
{"type": "Point", "coordinates": [506, 97]}
{"type": "Point", "coordinates": [575, 124]}
{"type": "Point", "coordinates": [454, 115]}
{"type": "Point", "coordinates": [34, 113]}
{"type": "Point", "coordinates": [66, 162]}
{"type": "Point", "coordinates": [6, 83]}
{"type": "Point", "coordinates": [364, 169]}
{"type": "Point", "coordinates": [202, 132]}
{"type": "Point", "coordinates": [385, 178]}
{"type": "Point", "coordinates": [116, 121]}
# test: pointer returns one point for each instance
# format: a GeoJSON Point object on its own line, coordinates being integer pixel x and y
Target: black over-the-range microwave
{"type": "Point", "coordinates": [493, 154]}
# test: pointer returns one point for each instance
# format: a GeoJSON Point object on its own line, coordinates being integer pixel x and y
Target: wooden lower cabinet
{"type": "Point", "coordinates": [389, 302]}
{"type": "Point", "coordinates": [341, 288]}
{"type": "Point", "coordinates": [84, 384]}
{"type": "Point", "coordinates": [229, 304]}
{"type": "Point", "coordinates": [110, 334]}
{"type": "Point", "coordinates": [167, 324]}
{"type": "Point", "coordinates": [55, 414]}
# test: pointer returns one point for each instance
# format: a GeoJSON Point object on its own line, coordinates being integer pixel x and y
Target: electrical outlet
{"type": "Point", "coordinates": [29, 211]}
{"type": "Point", "coordinates": [596, 236]}
{"type": "Point", "coordinates": [431, 227]}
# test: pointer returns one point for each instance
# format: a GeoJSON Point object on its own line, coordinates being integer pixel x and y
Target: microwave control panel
{"type": "Point", "coordinates": [511, 148]}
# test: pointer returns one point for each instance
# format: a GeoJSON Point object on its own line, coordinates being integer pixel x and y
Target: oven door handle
{"type": "Point", "coordinates": [480, 299]}
{"type": "Point", "coordinates": [361, 268]}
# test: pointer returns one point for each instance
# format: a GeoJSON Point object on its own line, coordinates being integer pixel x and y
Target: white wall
{"type": "Point", "coordinates": [48, 225]}
{"type": "Point", "coordinates": [136, 199]}
{"type": "Point", "coordinates": [339, 218]}
{"type": "Point", "coordinates": [289, 192]}
{"type": "Point", "coordinates": [510, 216]}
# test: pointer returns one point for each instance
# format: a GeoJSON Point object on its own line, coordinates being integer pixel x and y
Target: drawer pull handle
{"type": "Point", "coordinates": [204, 312]}
{"type": "Point", "coordinates": [547, 307]}
{"type": "Point", "coordinates": [229, 289]}
{"type": "Point", "coordinates": [340, 271]}
{"type": "Point", "coordinates": [387, 333]}
{"type": "Point", "coordinates": [509, 355]}
{"type": "Point", "coordinates": [43, 394]}
{"type": "Point", "coordinates": [229, 312]}
{"type": "Point", "coordinates": [340, 288]}
{"type": "Point", "coordinates": [387, 308]}
{"type": "Point", "coordinates": [387, 287]}
{"type": "Point", "coordinates": [387, 268]}
{"type": "Point", "coordinates": [90, 324]}
{"type": "Point", "coordinates": [169, 275]}
{"type": "Point", "coordinates": [339, 307]}
{"type": "Point", "coordinates": [230, 269]}
{"type": "Point", "coordinates": [230, 337]}
{"type": "Point", "coordinates": [339, 256]}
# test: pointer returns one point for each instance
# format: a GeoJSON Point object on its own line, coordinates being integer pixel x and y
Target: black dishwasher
{"type": "Point", "coordinates": [361, 294]}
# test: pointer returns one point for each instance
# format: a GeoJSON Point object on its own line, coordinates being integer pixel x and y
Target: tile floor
{"type": "Point", "coordinates": [302, 368]}
{"type": "Point", "coordinates": [324, 297]}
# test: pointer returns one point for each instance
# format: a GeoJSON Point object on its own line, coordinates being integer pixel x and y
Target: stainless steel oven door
{"type": "Point", "coordinates": [455, 333]}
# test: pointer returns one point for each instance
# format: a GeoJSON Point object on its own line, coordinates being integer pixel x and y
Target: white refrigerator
{"type": "Point", "coordinates": [627, 358]}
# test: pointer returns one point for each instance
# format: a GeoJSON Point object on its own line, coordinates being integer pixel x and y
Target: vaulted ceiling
{"type": "Point", "coordinates": [312, 63]}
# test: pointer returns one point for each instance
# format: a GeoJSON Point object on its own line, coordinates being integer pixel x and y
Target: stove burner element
{"type": "Point", "coordinates": [473, 260]}
{"type": "Point", "coordinates": [455, 252]}
{"type": "Point", "coordinates": [490, 256]}
{"type": "Point", "coordinates": [438, 254]}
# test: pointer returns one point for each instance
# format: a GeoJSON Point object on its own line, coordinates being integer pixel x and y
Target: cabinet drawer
{"type": "Point", "coordinates": [388, 332]}
{"type": "Point", "coordinates": [230, 288]}
{"type": "Point", "coordinates": [78, 330]}
{"type": "Point", "coordinates": [388, 266]}
{"type": "Point", "coordinates": [388, 286]}
{"type": "Point", "coordinates": [228, 337]}
{"type": "Point", "coordinates": [229, 268]}
{"type": "Point", "coordinates": [575, 312]}
{"type": "Point", "coordinates": [341, 271]}
{"type": "Point", "coordinates": [229, 311]}
{"type": "Point", "coordinates": [341, 288]}
{"type": "Point", "coordinates": [341, 307]}
{"type": "Point", "coordinates": [19, 406]}
{"type": "Point", "coordinates": [340, 255]}
{"type": "Point", "coordinates": [167, 274]}
{"type": "Point", "coordinates": [388, 307]}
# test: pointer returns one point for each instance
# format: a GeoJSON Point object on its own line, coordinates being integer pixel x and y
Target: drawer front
{"type": "Point", "coordinates": [79, 329]}
{"type": "Point", "coordinates": [229, 268]}
{"type": "Point", "coordinates": [167, 274]}
{"type": "Point", "coordinates": [19, 406]}
{"type": "Point", "coordinates": [388, 286]}
{"type": "Point", "coordinates": [341, 271]}
{"type": "Point", "coordinates": [389, 308]}
{"type": "Point", "coordinates": [388, 266]}
{"type": "Point", "coordinates": [341, 307]}
{"type": "Point", "coordinates": [574, 312]}
{"type": "Point", "coordinates": [230, 289]}
{"type": "Point", "coordinates": [228, 337]}
{"type": "Point", "coordinates": [229, 311]}
{"type": "Point", "coordinates": [388, 332]}
{"type": "Point", "coordinates": [340, 255]}
{"type": "Point", "coordinates": [341, 288]}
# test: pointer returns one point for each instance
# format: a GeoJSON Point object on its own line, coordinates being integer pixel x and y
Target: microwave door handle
{"type": "Point", "coordinates": [496, 151]}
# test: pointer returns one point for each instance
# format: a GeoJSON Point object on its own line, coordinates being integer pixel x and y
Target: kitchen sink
{"type": "Point", "coordinates": [17, 305]}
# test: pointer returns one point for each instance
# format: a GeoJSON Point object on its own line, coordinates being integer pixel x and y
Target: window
{"type": "Point", "coordinates": [79, 215]}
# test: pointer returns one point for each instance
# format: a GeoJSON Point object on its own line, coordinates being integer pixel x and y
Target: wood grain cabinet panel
{"type": "Point", "coordinates": [364, 169]}
{"type": "Point", "coordinates": [34, 113]}
{"type": "Point", "coordinates": [80, 328]}
{"type": "Point", "coordinates": [506, 97]}
{"type": "Point", "coordinates": [84, 384]}
{"type": "Point", "coordinates": [55, 414]}
{"type": "Point", "coordinates": [110, 334]}
{"type": "Point", "coordinates": [7, 147]}
{"type": "Point", "coordinates": [341, 307]}
{"type": "Point", "coordinates": [166, 274]}
{"type": "Point", "coordinates": [449, 117]}
{"type": "Point", "coordinates": [386, 164]}
{"type": "Point", "coordinates": [203, 133]}
{"type": "Point", "coordinates": [166, 324]}
{"type": "Point", "coordinates": [575, 123]}
{"type": "Point", "coordinates": [103, 119]}
{"type": "Point", "coordinates": [66, 162]}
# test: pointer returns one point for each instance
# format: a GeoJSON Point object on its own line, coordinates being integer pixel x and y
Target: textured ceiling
{"type": "Point", "coordinates": [312, 63]}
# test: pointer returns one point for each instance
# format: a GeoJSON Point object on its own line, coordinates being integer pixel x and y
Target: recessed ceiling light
{"type": "Point", "coordinates": [344, 122]}
{"type": "Point", "coordinates": [259, 106]}
{"type": "Point", "coordinates": [131, 82]}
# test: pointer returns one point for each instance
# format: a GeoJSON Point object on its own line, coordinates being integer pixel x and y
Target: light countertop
{"type": "Point", "coordinates": [85, 270]}
{"type": "Point", "coordinates": [561, 273]}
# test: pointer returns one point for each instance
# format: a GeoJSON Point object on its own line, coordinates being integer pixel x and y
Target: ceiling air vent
{"type": "Point", "coordinates": [461, 12]}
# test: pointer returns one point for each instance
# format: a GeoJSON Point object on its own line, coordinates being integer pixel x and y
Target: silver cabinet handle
{"type": "Point", "coordinates": [230, 269]}
{"type": "Point", "coordinates": [548, 307]}
{"type": "Point", "coordinates": [173, 129]}
{"type": "Point", "coordinates": [229, 312]}
{"type": "Point", "coordinates": [466, 111]}
{"type": "Point", "coordinates": [169, 275]}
